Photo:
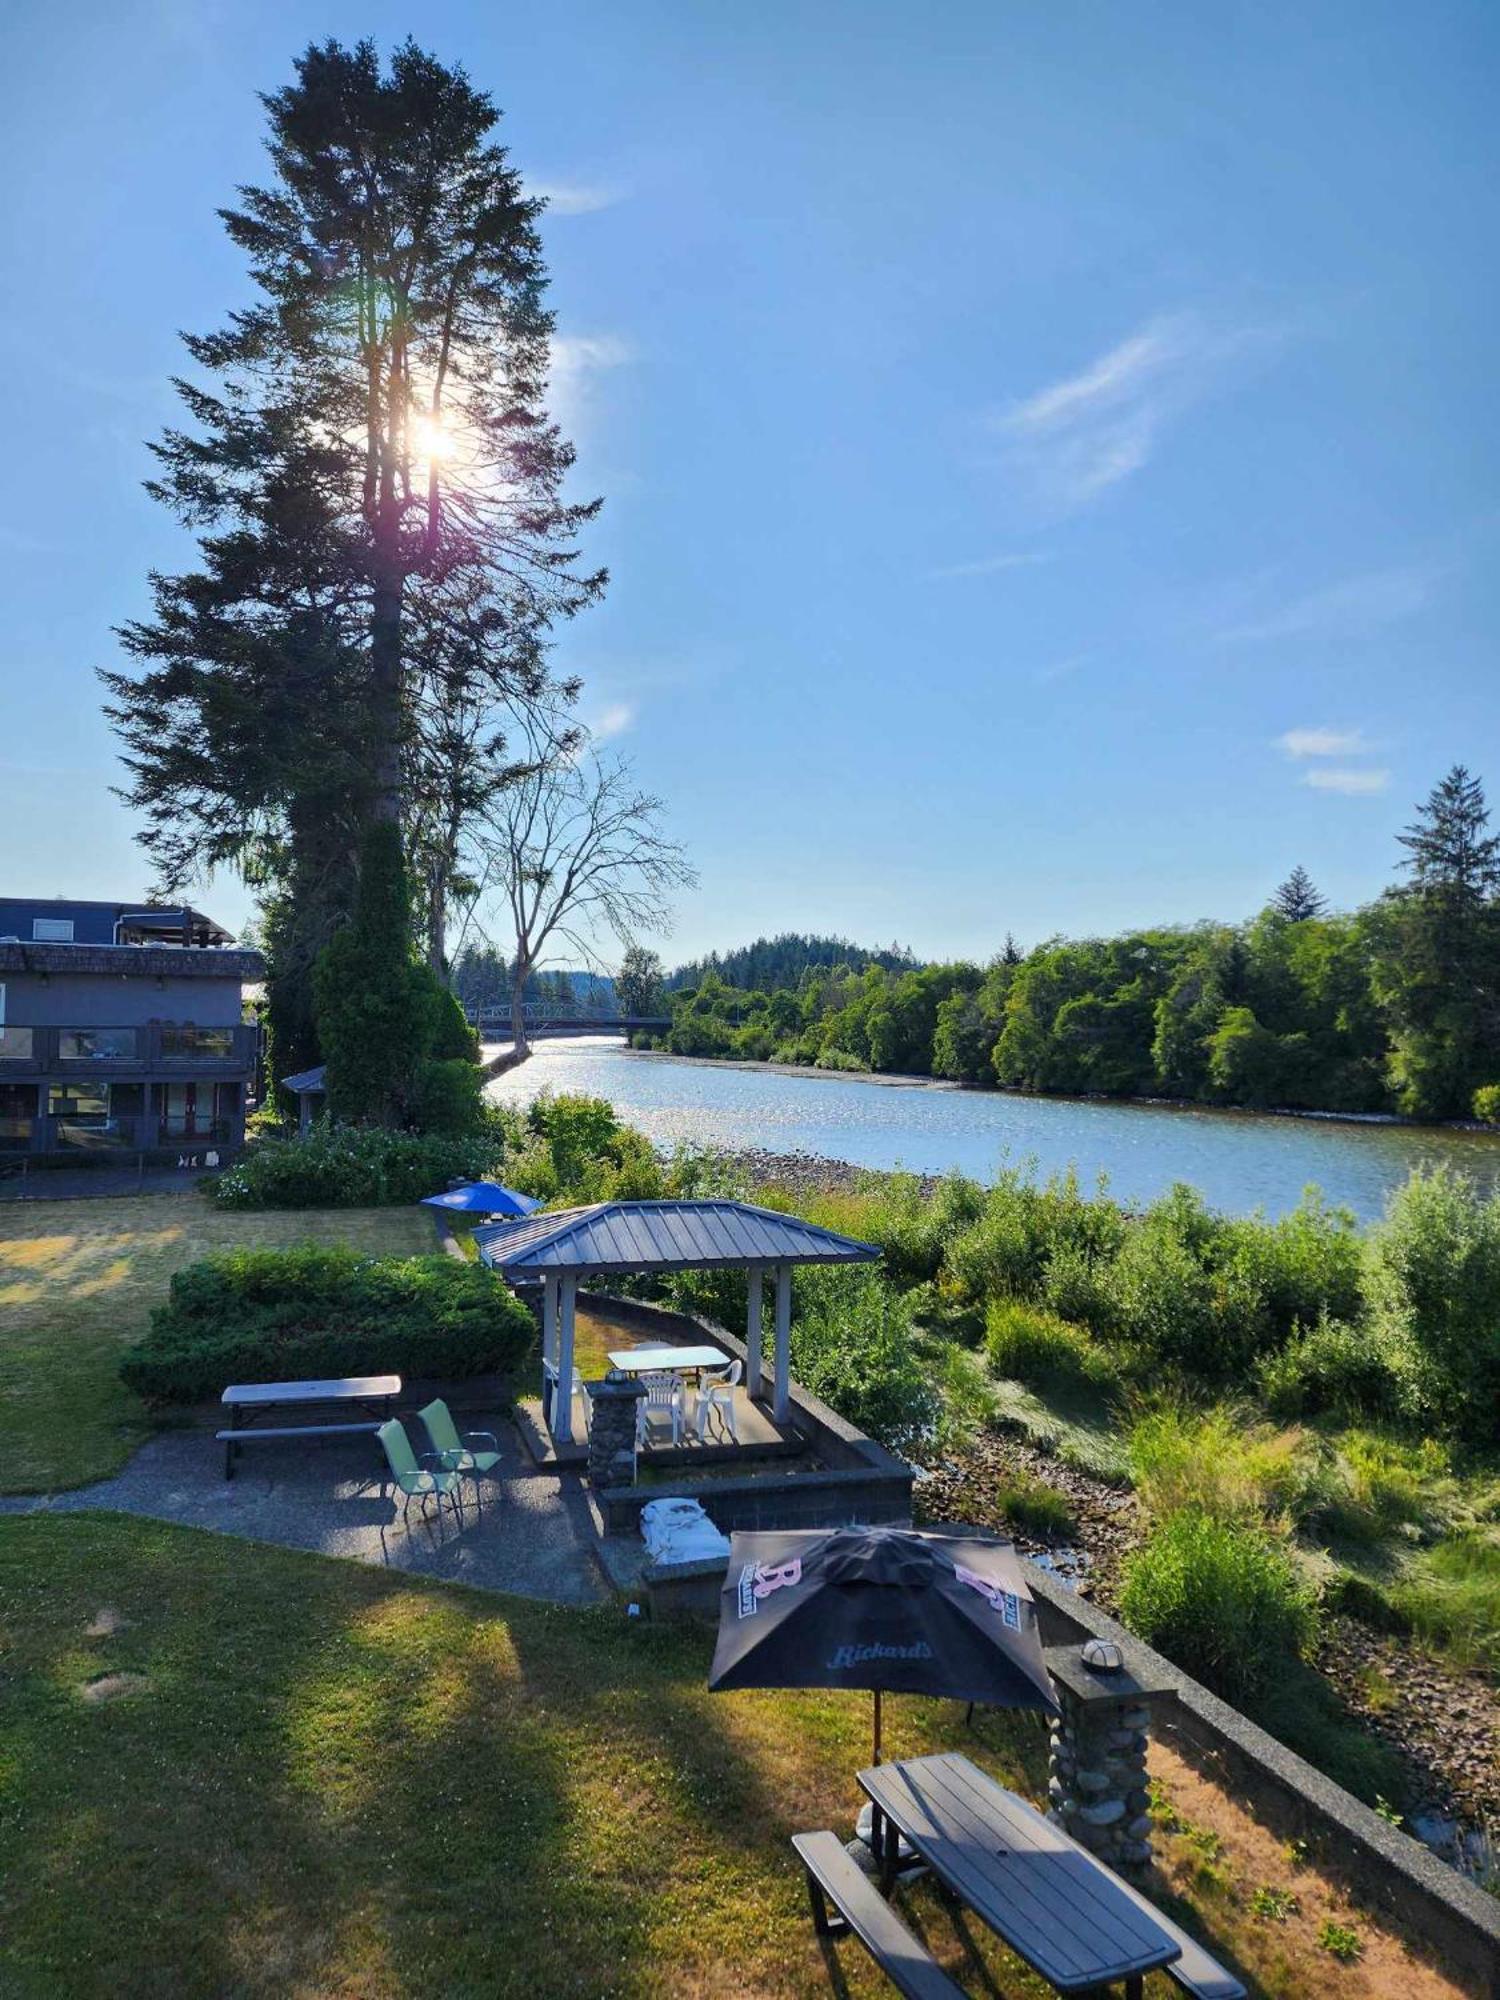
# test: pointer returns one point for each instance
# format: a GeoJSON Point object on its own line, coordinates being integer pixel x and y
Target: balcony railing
{"type": "Point", "coordinates": [160, 1047]}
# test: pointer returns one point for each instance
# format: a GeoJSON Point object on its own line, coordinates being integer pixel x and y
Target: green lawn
{"type": "Point", "coordinates": [319, 1779]}
{"type": "Point", "coordinates": [77, 1282]}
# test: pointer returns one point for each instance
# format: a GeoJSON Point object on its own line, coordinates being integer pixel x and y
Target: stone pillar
{"type": "Point", "coordinates": [612, 1430]}
{"type": "Point", "coordinates": [1096, 1789]}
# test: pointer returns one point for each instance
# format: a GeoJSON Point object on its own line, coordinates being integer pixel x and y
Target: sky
{"type": "Point", "coordinates": [1048, 451]}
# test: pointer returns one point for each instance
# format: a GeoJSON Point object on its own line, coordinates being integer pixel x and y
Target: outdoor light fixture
{"type": "Point", "coordinates": [1103, 1655]}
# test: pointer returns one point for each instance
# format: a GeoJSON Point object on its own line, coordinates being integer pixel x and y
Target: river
{"type": "Point", "coordinates": [1239, 1160]}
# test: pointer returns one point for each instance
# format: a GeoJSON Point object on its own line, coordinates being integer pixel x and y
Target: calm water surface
{"type": "Point", "coordinates": [1238, 1160]}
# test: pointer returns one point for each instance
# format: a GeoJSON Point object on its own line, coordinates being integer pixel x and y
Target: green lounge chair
{"type": "Point", "coordinates": [416, 1481]}
{"type": "Point", "coordinates": [455, 1453]}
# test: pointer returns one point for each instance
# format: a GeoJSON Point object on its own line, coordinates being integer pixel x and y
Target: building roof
{"type": "Point", "coordinates": [132, 961]}
{"type": "Point", "coordinates": [619, 1236]}
{"type": "Point", "coordinates": [307, 1079]}
{"type": "Point", "coordinates": [93, 923]}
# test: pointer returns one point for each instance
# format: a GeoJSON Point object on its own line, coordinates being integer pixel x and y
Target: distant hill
{"type": "Point", "coordinates": [775, 962]}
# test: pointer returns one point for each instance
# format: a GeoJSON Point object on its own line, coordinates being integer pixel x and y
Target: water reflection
{"type": "Point", "coordinates": [1239, 1160]}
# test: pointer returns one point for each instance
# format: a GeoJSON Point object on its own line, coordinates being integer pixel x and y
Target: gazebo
{"type": "Point", "coordinates": [619, 1238]}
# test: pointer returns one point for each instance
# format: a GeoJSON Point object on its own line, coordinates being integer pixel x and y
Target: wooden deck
{"type": "Point", "coordinates": [759, 1437]}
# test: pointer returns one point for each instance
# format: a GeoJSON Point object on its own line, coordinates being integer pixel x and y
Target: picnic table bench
{"type": "Point", "coordinates": [374, 1394]}
{"type": "Point", "coordinates": [1059, 1908]}
{"type": "Point", "coordinates": [832, 1877]}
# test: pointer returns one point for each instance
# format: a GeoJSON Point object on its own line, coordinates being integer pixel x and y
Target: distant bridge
{"type": "Point", "coordinates": [543, 1018]}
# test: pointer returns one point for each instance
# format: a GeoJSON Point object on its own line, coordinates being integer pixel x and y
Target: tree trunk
{"type": "Point", "coordinates": [385, 697]}
{"type": "Point", "coordinates": [518, 1010]}
{"type": "Point", "coordinates": [437, 925]}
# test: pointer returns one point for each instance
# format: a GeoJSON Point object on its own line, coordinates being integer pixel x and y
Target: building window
{"type": "Point", "coordinates": [16, 1045]}
{"type": "Point", "coordinates": [17, 1116]}
{"type": "Point", "coordinates": [52, 930]}
{"type": "Point", "coordinates": [96, 1045]}
{"type": "Point", "coordinates": [84, 1116]}
{"type": "Point", "coordinates": [197, 1044]}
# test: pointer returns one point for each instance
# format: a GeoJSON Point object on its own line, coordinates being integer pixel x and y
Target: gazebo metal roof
{"type": "Point", "coordinates": [621, 1236]}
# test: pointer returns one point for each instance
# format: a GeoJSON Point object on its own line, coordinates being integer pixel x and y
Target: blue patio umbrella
{"type": "Point", "coordinates": [483, 1198]}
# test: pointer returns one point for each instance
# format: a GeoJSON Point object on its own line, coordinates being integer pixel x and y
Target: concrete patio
{"type": "Point", "coordinates": [533, 1534]}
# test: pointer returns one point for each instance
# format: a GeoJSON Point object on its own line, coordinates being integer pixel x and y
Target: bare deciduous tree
{"type": "Point", "coordinates": [573, 849]}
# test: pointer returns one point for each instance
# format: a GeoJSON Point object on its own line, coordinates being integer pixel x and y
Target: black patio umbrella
{"type": "Point", "coordinates": [889, 1609]}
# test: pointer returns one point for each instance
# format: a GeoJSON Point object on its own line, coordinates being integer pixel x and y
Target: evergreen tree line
{"type": "Point", "coordinates": [771, 963]}
{"type": "Point", "coordinates": [1393, 1007]}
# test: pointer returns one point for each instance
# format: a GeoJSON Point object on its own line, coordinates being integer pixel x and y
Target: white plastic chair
{"type": "Point", "coordinates": [663, 1394]}
{"type": "Point", "coordinates": [716, 1395]}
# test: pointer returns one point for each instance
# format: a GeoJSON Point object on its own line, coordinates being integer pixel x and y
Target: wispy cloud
{"type": "Point", "coordinates": [612, 720]}
{"type": "Point", "coordinates": [1089, 431]}
{"type": "Point", "coordinates": [576, 197]}
{"type": "Point", "coordinates": [988, 565]}
{"type": "Point", "coordinates": [1353, 605]}
{"type": "Point", "coordinates": [1323, 743]}
{"type": "Point", "coordinates": [1350, 779]}
{"type": "Point", "coordinates": [578, 360]}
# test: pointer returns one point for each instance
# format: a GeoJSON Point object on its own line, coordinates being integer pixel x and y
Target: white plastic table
{"type": "Point", "coordinates": [669, 1360]}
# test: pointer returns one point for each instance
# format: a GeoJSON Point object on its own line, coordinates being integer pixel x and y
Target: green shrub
{"type": "Point", "coordinates": [1166, 1305]}
{"type": "Point", "coordinates": [1388, 1482]}
{"type": "Point", "coordinates": [1332, 1367]}
{"type": "Point", "coordinates": [1434, 1280]}
{"type": "Point", "coordinates": [1354, 1596]}
{"type": "Point", "coordinates": [913, 1228]}
{"type": "Point", "coordinates": [1451, 1595]}
{"type": "Point", "coordinates": [1006, 1251]}
{"type": "Point", "coordinates": [349, 1166]}
{"type": "Point", "coordinates": [1487, 1103]}
{"type": "Point", "coordinates": [853, 1346]}
{"type": "Point", "coordinates": [1225, 1464]}
{"type": "Point", "coordinates": [1077, 1287]}
{"type": "Point", "coordinates": [1034, 1506]}
{"type": "Point", "coordinates": [1306, 1266]}
{"type": "Point", "coordinates": [448, 1097]}
{"type": "Point", "coordinates": [1221, 1599]}
{"type": "Point", "coordinates": [1026, 1344]}
{"type": "Point", "coordinates": [307, 1313]}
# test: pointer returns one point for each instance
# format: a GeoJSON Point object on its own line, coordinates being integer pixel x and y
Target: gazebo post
{"type": "Point", "coordinates": [562, 1428]}
{"type": "Point", "coordinates": [549, 1346]}
{"type": "Point", "coordinates": [754, 1370]}
{"type": "Point", "coordinates": [781, 1392]}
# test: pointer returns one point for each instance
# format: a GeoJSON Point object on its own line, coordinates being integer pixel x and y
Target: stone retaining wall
{"type": "Point", "coordinates": [1382, 1866]}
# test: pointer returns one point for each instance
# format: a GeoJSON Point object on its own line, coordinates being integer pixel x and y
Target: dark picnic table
{"type": "Point", "coordinates": [247, 1402]}
{"type": "Point", "coordinates": [1056, 1907]}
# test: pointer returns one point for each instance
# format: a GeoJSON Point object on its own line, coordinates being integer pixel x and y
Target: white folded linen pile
{"type": "Point", "coordinates": [678, 1531]}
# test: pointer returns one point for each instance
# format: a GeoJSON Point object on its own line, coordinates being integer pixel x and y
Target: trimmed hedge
{"type": "Point", "coordinates": [349, 1166]}
{"type": "Point", "coordinates": [309, 1313]}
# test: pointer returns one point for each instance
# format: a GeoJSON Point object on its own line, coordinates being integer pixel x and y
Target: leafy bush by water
{"type": "Point", "coordinates": [853, 1346]}
{"type": "Point", "coordinates": [308, 1313]}
{"type": "Point", "coordinates": [1434, 1284]}
{"type": "Point", "coordinates": [1332, 1368]}
{"type": "Point", "coordinates": [1026, 1344]}
{"type": "Point", "coordinates": [1221, 1599]}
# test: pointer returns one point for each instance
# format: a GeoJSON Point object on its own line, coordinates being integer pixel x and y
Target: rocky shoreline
{"type": "Point", "coordinates": [809, 1173]}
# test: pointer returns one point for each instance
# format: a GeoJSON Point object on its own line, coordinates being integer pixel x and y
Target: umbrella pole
{"type": "Point", "coordinates": [877, 1725]}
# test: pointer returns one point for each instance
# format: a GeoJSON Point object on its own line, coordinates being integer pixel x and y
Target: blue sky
{"type": "Point", "coordinates": [1049, 451]}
